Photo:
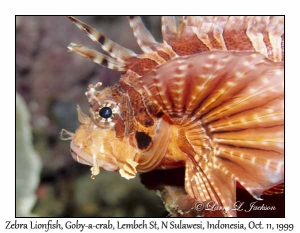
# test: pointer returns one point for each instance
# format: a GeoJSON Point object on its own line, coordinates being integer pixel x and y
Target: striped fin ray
{"type": "Point", "coordinates": [241, 84]}
{"type": "Point", "coordinates": [255, 30]}
{"type": "Point", "coordinates": [266, 35]}
{"type": "Point", "coordinates": [203, 180]}
{"type": "Point", "coordinates": [115, 50]}
{"type": "Point", "coordinates": [275, 32]}
{"type": "Point", "coordinates": [147, 42]}
{"type": "Point", "coordinates": [143, 37]}
{"type": "Point", "coordinates": [209, 30]}
{"type": "Point", "coordinates": [214, 166]}
{"type": "Point", "coordinates": [247, 82]}
{"type": "Point", "coordinates": [168, 28]}
{"type": "Point", "coordinates": [272, 113]}
{"type": "Point", "coordinates": [261, 34]}
{"type": "Point", "coordinates": [255, 169]}
{"type": "Point", "coordinates": [268, 139]}
{"type": "Point", "coordinates": [181, 84]}
{"type": "Point", "coordinates": [256, 94]}
{"type": "Point", "coordinates": [97, 57]}
{"type": "Point", "coordinates": [210, 184]}
{"type": "Point", "coordinates": [167, 86]}
{"type": "Point", "coordinates": [215, 85]}
{"type": "Point", "coordinates": [246, 122]}
{"type": "Point", "coordinates": [278, 189]}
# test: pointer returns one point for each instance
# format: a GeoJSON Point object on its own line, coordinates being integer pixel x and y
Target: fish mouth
{"type": "Point", "coordinates": [85, 158]}
{"type": "Point", "coordinates": [80, 155]}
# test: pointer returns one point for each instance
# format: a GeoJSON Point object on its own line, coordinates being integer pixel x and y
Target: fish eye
{"type": "Point", "coordinates": [105, 112]}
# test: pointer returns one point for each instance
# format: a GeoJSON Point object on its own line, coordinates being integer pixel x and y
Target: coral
{"type": "Point", "coordinates": [28, 163]}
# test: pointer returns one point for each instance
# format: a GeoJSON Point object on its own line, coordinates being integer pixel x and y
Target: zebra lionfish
{"type": "Point", "coordinates": [210, 97]}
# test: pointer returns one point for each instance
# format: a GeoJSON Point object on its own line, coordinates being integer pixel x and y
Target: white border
{"type": "Point", "coordinates": [158, 7]}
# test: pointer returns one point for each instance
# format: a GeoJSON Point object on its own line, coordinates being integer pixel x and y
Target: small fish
{"type": "Point", "coordinates": [210, 97]}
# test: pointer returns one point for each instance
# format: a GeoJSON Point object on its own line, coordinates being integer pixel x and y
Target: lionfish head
{"type": "Point", "coordinates": [112, 137]}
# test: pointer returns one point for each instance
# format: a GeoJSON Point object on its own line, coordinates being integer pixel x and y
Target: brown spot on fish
{"type": "Point", "coordinates": [143, 140]}
{"type": "Point", "coordinates": [101, 39]}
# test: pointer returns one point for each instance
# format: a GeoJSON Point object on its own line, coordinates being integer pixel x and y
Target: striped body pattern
{"type": "Point", "coordinates": [210, 97]}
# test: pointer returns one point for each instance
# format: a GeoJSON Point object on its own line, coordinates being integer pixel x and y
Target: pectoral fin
{"type": "Point", "coordinates": [210, 184]}
{"type": "Point", "coordinates": [129, 169]}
